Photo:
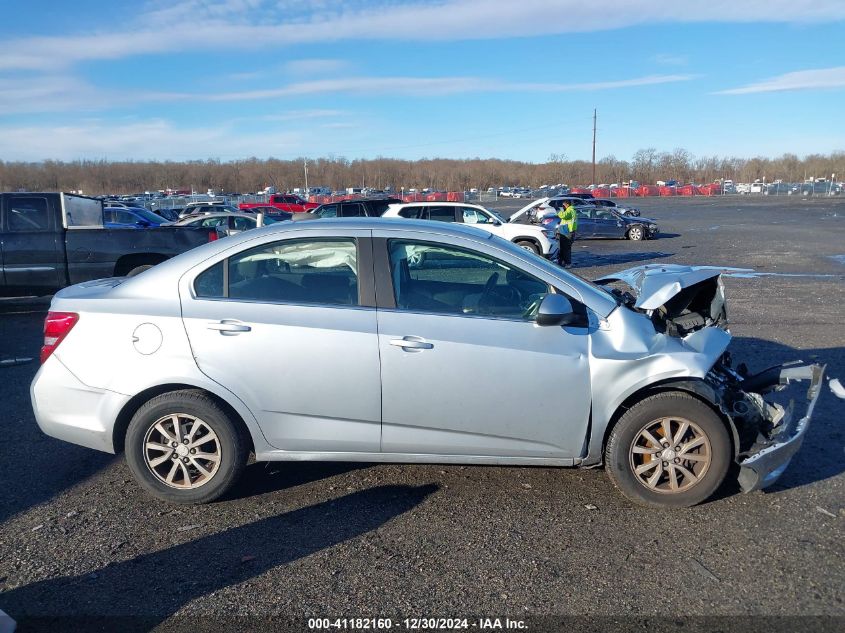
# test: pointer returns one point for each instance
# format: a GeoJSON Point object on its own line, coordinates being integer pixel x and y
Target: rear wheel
{"type": "Point", "coordinates": [668, 450]}
{"type": "Point", "coordinates": [138, 270]}
{"type": "Point", "coordinates": [529, 246]}
{"type": "Point", "coordinates": [182, 447]}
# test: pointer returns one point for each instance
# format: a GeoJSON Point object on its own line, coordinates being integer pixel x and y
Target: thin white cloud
{"type": "Point", "coordinates": [315, 66]}
{"type": "Point", "coordinates": [302, 115]}
{"type": "Point", "coordinates": [667, 59]}
{"type": "Point", "coordinates": [816, 79]}
{"type": "Point", "coordinates": [140, 140]}
{"type": "Point", "coordinates": [249, 24]}
{"type": "Point", "coordinates": [433, 86]}
{"type": "Point", "coordinates": [55, 93]}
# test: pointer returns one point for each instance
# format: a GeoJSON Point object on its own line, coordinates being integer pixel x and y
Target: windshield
{"type": "Point", "coordinates": [150, 216]}
{"type": "Point", "coordinates": [495, 214]}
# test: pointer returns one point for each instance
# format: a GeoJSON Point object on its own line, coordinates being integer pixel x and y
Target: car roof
{"type": "Point", "coordinates": [150, 283]}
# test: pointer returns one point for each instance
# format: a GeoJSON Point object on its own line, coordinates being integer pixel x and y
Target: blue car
{"type": "Point", "coordinates": [603, 222]}
{"type": "Point", "coordinates": [131, 217]}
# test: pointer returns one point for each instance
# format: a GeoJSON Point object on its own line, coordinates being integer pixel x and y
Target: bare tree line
{"type": "Point", "coordinates": [647, 165]}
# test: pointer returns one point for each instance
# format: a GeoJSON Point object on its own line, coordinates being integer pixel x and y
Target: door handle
{"type": "Point", "coordinates": [411, 343]}
{"type": "Point", "coordinates": [228, 327]}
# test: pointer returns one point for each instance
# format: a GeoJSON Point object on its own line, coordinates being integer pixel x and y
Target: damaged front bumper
{"type": "Point", "coordinates": [767, 458]}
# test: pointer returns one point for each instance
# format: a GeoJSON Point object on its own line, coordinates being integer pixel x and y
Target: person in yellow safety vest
{"type": "Point", "coordinates": [566, 233]}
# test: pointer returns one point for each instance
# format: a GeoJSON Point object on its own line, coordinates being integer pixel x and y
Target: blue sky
{"type": "Point", "coordinates": [515, 79]}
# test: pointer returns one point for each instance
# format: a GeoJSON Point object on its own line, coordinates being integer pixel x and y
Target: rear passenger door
{"type": "Point", "coordinates": [33, 257]}
{"type": "Point", "coordinates": [586, 225]}
{"type": "Point", "coordinates": [289, 327]}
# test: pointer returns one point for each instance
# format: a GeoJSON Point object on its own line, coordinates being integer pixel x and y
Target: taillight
{"type": "Point", "coordinates": [57, 325]}
{"type": "Point", "coordinates": [213, 235]}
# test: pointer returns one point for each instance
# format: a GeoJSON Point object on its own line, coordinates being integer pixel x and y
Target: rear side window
{"type": "Point", "coordinates": [441, 214]}
{"type": "Point", "coordinates": [243, 224]}
{"type": "Point", "coordinates": [210, 282]}
{"type": "Point", "coordinates": [27, 214]}
{"type": "Point", "coordinates": [412, 213]}
{"type": "Point", "coordinates": [353, 210]}
{"type": "Point", "coordinates": [322, 272]}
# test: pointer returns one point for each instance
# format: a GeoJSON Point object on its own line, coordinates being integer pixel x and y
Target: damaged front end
{"type": "Point", "coordinates": [681, 300]}
{"type": "Point", "coordinates": [769, 433]}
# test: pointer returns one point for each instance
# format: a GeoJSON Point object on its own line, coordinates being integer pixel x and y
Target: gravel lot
{"type": "Point", "coordinates": [78, 537]}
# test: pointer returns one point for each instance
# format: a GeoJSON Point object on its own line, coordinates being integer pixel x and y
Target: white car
{"type": "Point", "coordinates": [533, 238]}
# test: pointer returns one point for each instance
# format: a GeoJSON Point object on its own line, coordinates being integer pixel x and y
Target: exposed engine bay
{"type": "Point", "coordinates": [681, 300]}
{"type": "Point", "coordinates": [678, 299]}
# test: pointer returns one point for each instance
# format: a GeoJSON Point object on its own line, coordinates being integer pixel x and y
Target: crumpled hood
{"type": "Point", "coordinates": [655, 284]}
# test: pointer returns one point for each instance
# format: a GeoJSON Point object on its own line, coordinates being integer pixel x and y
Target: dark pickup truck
{"type": "Point", "coordinates": [52, 240]}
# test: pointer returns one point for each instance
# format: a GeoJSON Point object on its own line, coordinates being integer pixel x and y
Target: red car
{"type": "Point", "coordinates": [283, 201]}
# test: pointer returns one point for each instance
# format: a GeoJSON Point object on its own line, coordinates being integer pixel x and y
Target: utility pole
{"type": "Point", "coordinates": [594, 146]}
{"type": "Point", "coordinates": [305, 166]}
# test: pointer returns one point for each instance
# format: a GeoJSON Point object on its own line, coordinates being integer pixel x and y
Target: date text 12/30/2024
{"type": "Point", "coordinates": [415, 624]}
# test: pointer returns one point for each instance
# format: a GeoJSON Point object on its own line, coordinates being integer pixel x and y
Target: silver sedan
{"type": "Point", "coordinates": [228, 223]}
{"type": "Point", "coordinates": [378, 340]}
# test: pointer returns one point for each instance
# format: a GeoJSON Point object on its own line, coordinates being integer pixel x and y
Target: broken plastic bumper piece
{"type": "Point", "coordinates": [768, 458]}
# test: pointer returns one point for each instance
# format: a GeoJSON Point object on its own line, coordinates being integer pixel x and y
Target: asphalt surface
{"type": "Point", "coordinates": [78, 537]}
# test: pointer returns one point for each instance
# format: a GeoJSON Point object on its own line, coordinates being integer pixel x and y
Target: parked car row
{"type": "Point", "coordinates": [52, 240]}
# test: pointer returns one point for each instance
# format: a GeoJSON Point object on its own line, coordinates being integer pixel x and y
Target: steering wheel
{"type": "Point", "coordinates": [489, 287]}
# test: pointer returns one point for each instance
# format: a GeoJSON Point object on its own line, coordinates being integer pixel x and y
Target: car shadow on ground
{"type": "Point", "coordinates": [144, 591]}
{"type": "Point", "coordinates": [589, 260]}
{"type": "Point", "coordinates": [33, 466]}
{"type": "Point", "coordinates": [267, 477]}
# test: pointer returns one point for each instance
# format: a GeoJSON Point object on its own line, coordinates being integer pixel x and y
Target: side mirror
{"type": "Point", "coordinates": [555, 309]}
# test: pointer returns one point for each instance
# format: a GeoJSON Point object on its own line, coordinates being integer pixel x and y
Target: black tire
{"type": "Point", "coordinates": [528, 245]}
{"type": "Point", "coordinates": [636, 233]}
{"type": "Point", "coordinates": [671, 404]}
{"type": "Point", "coordinates": [232, 444]}
{"type": "Point", "coordinates": [138, 270]}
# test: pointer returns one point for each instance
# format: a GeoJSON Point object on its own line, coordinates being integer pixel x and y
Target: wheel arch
{"type": "Point", "coordinates": [128, 262]}
{"type": "Point", "coordinates": [528, 238]}
{"type": "Point", "coordinates": [124, 417]}
{"type": "Point", "coordinates": [695, 387]}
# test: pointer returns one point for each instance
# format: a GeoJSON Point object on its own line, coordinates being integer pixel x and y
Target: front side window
{"type": "Point", "coordinates": [27, 214]}
{"type": "Point", "coordinates": [314, 271]}
{"type": "Point", "coordinates": [451, 280]}
{"type": "Point", "coordinates": [474, 216]}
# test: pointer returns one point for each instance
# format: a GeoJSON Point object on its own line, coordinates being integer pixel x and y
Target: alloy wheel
{"type": "Point", "coordinates": [182, 451]}
{"type": "Point", "coordinates": [670, 455]}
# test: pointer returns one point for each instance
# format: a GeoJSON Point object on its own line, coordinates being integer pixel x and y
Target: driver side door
{"type": "Point", "coordinates": [465, 370]}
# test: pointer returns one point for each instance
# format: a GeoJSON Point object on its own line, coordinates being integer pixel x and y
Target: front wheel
{"type": "Point", "coordinates": [528, 246]}
{"type": "Point", "coordinates": [183, 447]}
{"type": "Point", "coordinates": [636, 233]}
{"type": "Point", "coordinates": [668, 450]}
